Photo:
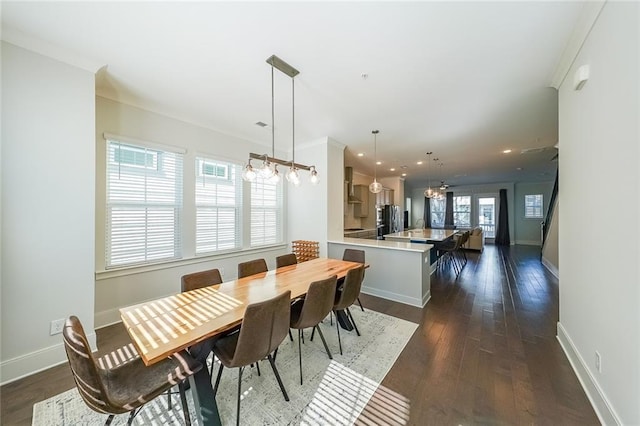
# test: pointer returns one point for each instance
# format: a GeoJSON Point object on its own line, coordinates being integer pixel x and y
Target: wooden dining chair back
{"type": "Point", "coordinates": [347, 295]}
{"type": "Point", "coordinates": [200, 279]}
{"type": "Point", "coordinates": [286, 260]}
{"type": "Point", "coordinates": [122, 384]}
{"type": "Point", "coordinates": [352, 255]}
{"type": "Point", "coordinates": [264, 326]}
{"type": "Point", "coordinates": [252, 267]}
{"type": "Point", "coordinates": [310, 311]}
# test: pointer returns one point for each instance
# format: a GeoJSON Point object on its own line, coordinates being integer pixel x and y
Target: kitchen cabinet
{"type": "Point", "coordinates": [384, 197]}
{"type": "Point", "coordinates": [361, 209]}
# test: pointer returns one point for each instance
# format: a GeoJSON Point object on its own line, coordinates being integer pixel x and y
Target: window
{"type": "Point", "coordinates": [462, 211]}
{"type": "Point", "coordinates": [533, 206]}
{"type": "Point", "coordinates": [218, 206]}
{"type": "Point", "coordinates": [144, 205]}
{"type": "Point", "coordinates": [266, 212]}
{"type": "Point", "coordinates": [437, 212]}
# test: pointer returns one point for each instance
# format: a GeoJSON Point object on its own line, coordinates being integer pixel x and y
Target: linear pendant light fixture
{"type": "Point", "coordinates": [267, 171]}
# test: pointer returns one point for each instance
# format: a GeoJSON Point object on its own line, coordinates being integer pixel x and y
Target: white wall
{"type": "Point", "coordinates": [48, 159]}
{"type": "Point", "coordinates": [550, 250]}
{"type": "Point", "coordinates": [599, 249]}
{"type": "Point", "coordinates": [117, 289]}
{"type": "Point", "coordinates": [316, 212]}
{"type": "Point", "coordinates": [527, 231]}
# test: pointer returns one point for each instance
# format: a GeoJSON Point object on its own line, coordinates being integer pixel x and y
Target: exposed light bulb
{"type": "Point", "coordinates": [266, 172]}
{"type": "Point", "coordinates": [275, 177]}
{"type": "Point", "coordinates": [314, 179]}
{"type": "Point", "coordinates": [293, 177]}
{"type": "Point", "coordinates": [249, 174]}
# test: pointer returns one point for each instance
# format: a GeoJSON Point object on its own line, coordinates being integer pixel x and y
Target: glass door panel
{"type": "Point", "coordinates": [487, 216]}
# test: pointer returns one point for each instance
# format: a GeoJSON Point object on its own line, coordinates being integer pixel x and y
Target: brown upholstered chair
{"type": "Point", "coordinates": [264, 327]}
{"type": "Point", "coordinates": [286, 260]}
{"type": "Point", "coordinates": [352, 255]}
{"type": "Point", "coordinates": [195, 281]}
{"type": "Point", "coordinates": [201, 279]}
{"type": "Point", "coordinates": [309, 312]}
{"type": "Point", "coordinates": [117, 385]}
{"type": "Point", "coordinates": [251, 267]}
{"type": "Point", "coordinates": [347, 295]}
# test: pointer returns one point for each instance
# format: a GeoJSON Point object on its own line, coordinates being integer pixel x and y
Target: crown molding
{"type": "Point", "coordinates": [588, 17]}
{"type": "Point", "coordinates": [50, 50]}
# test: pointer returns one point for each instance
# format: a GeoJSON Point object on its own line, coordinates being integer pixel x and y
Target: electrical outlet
{"type": "Point", "coordinates": [598, 362]}
{"type": "Point", "coordinates": [56, 327]}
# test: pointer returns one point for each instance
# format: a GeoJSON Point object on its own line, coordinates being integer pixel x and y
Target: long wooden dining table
{"type": "Point", "coordinates": [162, 327]}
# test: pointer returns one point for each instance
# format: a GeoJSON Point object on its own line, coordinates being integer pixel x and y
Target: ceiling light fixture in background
{"type": "Point", "coordinates": [267, 171]}
{"type": "Point", "coordinates": [375, 186]}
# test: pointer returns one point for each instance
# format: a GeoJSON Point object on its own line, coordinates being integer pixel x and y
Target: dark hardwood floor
{"type": "Point", "coordinates": [485, 353]}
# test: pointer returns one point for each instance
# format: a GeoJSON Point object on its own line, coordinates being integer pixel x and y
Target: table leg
{"type": "Point", "coordinates": [203, 399]}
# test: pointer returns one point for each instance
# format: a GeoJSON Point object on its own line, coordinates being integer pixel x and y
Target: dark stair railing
{"type": "Point", "coordinates": [552, 204]}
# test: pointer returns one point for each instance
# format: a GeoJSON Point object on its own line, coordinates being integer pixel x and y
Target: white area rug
{"type": "Point", "coordinates": [334, 392]}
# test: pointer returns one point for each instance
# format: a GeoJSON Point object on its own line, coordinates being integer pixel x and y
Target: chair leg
{"type": "Point", "coordinates": [313, 332]}
{"type": "Point", "coordinates": [185, 405]}
{"type": "Point", "coordinates": [132, 414]}
{"type": "Point", "coordinates": [300, 354]}
{"type": "Point", "coordinates": [239, 394]}
{"type": "Point", "coordinates": [339, 341]}
{"type": "Point", "coordinates": [324, 342]}
{"type": "Point", "coordinates": [290, 336]}
{"type": "Point", "coordinates": [169, 399]}
{"type": "Point", "coordinates": [275, 372]}
{"type": "Point", "coordinates": [109, 420]}
{"type": "Point", "coordinates": [354, 323]}
{"type": "Point", "coordinates": [215, 387]}
{"type": "Point", "coordinates": [360, 303]}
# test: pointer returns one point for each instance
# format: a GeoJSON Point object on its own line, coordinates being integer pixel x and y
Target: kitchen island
{"type": "Point", "coordinates": [398, 271]}
{"type": "Point", "coordinates": [426, 235]}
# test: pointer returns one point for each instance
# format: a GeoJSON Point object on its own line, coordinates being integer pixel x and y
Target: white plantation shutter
{"type": "Point", "coordinates": [266, 212]}
{"type": "Point", "coordinates": [144, 205]}
{"type": "Point", "coordinates": [533, 206]}
{"type": "Point", "coordinates": [218, 206]}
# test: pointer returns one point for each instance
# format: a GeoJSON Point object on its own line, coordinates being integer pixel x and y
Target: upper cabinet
{"type": "Point", "coordinates": [362, 193]}
{"type": "Point", "coordinates": [384, 197]}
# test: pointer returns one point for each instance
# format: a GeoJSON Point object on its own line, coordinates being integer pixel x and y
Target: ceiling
{"type": "Point", "coordinates": [465, 80]}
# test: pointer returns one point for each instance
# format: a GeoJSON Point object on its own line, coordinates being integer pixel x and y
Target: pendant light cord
{"type": "Point", "coordinates": [273, 122]}
{"type": "Point", "coordinates": [293, 123]}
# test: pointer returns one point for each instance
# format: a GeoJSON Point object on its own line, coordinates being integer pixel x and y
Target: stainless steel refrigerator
{"type": "Point", "coordinates": [388, 220]}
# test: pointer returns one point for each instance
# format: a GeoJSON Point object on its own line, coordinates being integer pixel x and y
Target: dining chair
{"type": "Point", "coordinates": [264, 326]}
{"type": "Point", "coordinates": [122, 383]}
{"type": "Point", "coordinates": [286, 260]}
{"type": "Point", "coordinates": [353, 255]}
{"type": "Point", "coordinates": [200, 279]}
{"type": "Point", "coordinates": [311, 310]}
{"type": "Point", "coordinates": [252, 267]}
{"type": "Point", "coordinates": [347, 295]}
{"type": "Point", "coordinates": [195, 281]}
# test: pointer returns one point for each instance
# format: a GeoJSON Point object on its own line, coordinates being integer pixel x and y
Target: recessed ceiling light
{"type": "Point", "coordinates": [419, 162]}
{"type": "Point", "coordinates": [404, 174]}
{"type": "Point", "coordinates": [361, 154]}
{"type": "Point", "coordinates": [261, 124]}
{"type": "Point", "coordinates": [378, 162]}
{"type": "Point", "coordinates": [518, 168]}
{"type": "Point", "coordinates": [506, 151]}
{"type": "Point", "coordinates": [392, 169]}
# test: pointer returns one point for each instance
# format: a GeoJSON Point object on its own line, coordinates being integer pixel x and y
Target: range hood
{"type": "Point", "coordinates": [348, 177]}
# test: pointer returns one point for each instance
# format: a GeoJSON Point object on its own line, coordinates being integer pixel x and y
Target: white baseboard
{"type": "Point", "coordinates": [551, 268]}
{"type": "Point", "coordinates": [528, 242]}
{"type": "Point", "coordinates": [397, 297]}
{"type": "Point", "coordinates": [598, 399]}
{"type": "Point", "coordinates": [36, 361]}
{"type": "Point", "coordinates": [105, 318]}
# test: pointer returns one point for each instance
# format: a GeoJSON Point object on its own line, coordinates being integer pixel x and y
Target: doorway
{"type": "Point", "coordinates": [486, 209]}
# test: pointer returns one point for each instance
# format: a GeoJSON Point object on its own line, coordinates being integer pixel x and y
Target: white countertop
{"type": "Point", "coordinates": [382, 244]}
{"type": "Point", "coordinates": [346, 232]}
{"type": "Point", "coordinates": [427, 234]}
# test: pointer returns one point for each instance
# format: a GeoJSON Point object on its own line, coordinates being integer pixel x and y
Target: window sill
{"type": "Point", "coordinates": [139, 269]}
